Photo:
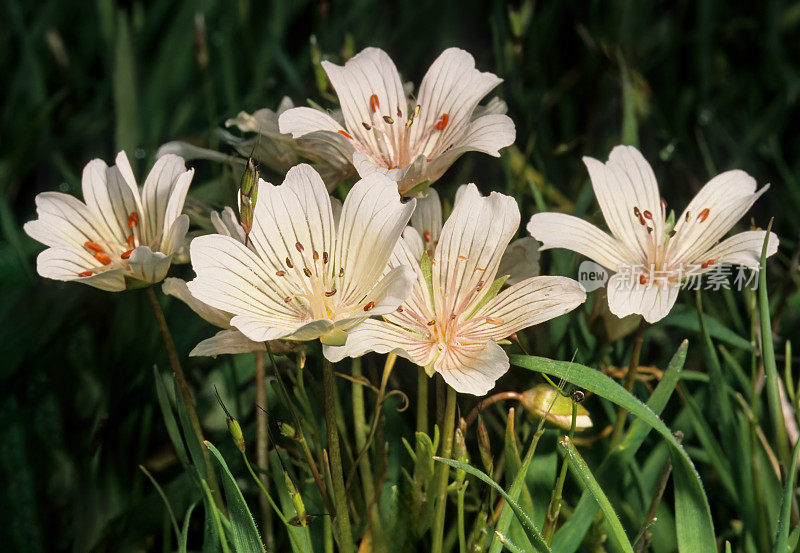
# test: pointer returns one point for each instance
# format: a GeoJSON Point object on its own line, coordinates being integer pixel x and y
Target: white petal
{"type": "Point", "coordinates": [373, 217]}
{"type": "Point", "coordinates": [226, 342]}
{"type": "Point", "coordinates": [626, 296]}
{"type": "Point", "coordinates": [163, 194]}
{"type": "Point", "coordinates": [558, 230]}
{"type": "Point", "coordinates": [65, 263]}
{"type": "Point", "coordinates": [149, 266]}
{"type": "Point", "coordinates": [226, 222]}
{"type": "Point", "coordinates": [110, 196]}
{"type": "Point", "coordinates": [189, 152]}
{"type": "Point", "coordinates": [366, 166]}
{"type": "Point", "coordinates": [382, 337]}
{"type": "Point", "coordinates": [427, 218]}
{"type": "Point", "coordinates": [741, 249]}
{"type": "Point", "coordinates": [727, 197]}
{"type": "Point", "coordinates": [175, 235]}
{"type": "Point", "coordinates": [232, 278]}
{"type": "Point", "coordinates": [454, 87]}
{"type": "Point", "coordinates": [414, 243]}
{"type": "Point", "coordinates": [626, 182]}
{"type": "Point", "coordinates": [530, 302]}
{"type": "Point", "coordinates": [177, 288]}
{"type": "Point", "coordinates": [487, 134]}
{"type": "Point", "coordinates": [370, 72]}
{"type": "Point", "coordinates": [63, 220]}
{"type": "Point", "coordinates": [520, 260]}
{"type": "Point", "coordinates": [472, 242]}
{"type": "Point", "coordinates": [304, 120]}
{"type": "Point", "coordinates": [312, 330]}
{"type": "Point", "coordinates": [473, 368]}
{"type": "Point", "coordinates": [293, 220]}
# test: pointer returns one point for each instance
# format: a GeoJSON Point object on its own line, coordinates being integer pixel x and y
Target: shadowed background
{"type": "Point", "coordinates": [699, 86]}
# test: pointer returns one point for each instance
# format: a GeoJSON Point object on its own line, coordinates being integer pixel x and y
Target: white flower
{"type": "Point", "coordinates": [122, 235]}
{"type": "Point", "coordinates": [649, 258]}
{"type": "Point", "coordinates": [307, 274]}
{"type": "Point", "coordinates": [519, 261]}
{"type": "Point", "coordinates": [413, 142]}
{"type": "Point", "coordinates": [451, 324]}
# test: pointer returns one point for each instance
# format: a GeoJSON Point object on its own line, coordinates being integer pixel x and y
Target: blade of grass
{"type": "Point", "coordinates": [784, 522]}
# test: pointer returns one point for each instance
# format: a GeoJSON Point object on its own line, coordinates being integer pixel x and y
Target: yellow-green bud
{"type": "Point", "coordinates": [542, 397]}
{"type": "Point", "coordinates": [460, 454]}
{"type": "Point", "coordinates": [485, 447]}
{"type": "Point", "coordinates": [297, 501]}
{"type": "Point", "coordinates": [248, 194]}
{"type": "Point", "coordinates": [236, 433]}
{"type": "Point", "coordinates": [287, 430]}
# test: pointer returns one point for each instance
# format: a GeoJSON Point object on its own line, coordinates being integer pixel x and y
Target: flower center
{"type": "Point", "coordinates": [113, 255]}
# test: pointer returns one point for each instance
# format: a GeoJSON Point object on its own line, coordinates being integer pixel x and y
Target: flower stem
{"type": "Point", "coordinates": [443, 471]}
{"type": "Point", "coordinates": [554, 509]}
{"type": "Point", "coordinates": [183, 386]}
{"type": "Point", "coordinates": [630, 378]}
{"type": "Point", "coordinates": [342, 519]}
{"type": "Point", "coordinates": [422, 401]}
{"type": "Point", "coordinates": [262, 445]}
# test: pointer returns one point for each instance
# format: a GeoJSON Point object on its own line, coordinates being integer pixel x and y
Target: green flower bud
{"type": "Point", "coordinates": [485, 447]}
{"type": "Point", "coordinates": [542, 397]}
{"type": "Point", "coordinates": [236, 433]}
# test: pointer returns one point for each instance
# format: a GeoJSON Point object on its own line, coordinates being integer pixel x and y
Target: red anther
{"type": "Point", "coordinates": [280, 273]}
{"type": "Point", "coordinates": [85, 274]}
{"type": "Point", "coordinates": [287, 299]}
{"type": "Point", "coordinates": [479, 287]}
{"type": "Point", "coordinates": [369, 306]}
{"type": "Point", "coordinates": [127, 254]}
{"type": "Point", "coordinates": [442, 122]}
{"type": "Point", "coordinates": [427, 235]}
{"type": "Point", "coordinates": [93, 246]}
{"type": "Point", "coordinates": [399, 308]}
{"type": "Point", "coordinates": [642, 279]}
{"type": "Point", "coordinates": [703, 215]}
{"type": "Point", "coordinates": [289, 263]}
{"type": "Point", "coordinates": [315, 255]}
{"type": "Point", "coordinates": [331, 293]}
{"type": "Point", "coordinates": [344, 134]}
{"type": "Point", "coordinates": [636, 212]}
{"type": "Point", "coordinates": [299, 247]}
{"type": "Point", "coordinates": [131, 241]}
{"type": "Point", "coordinates": [642, 221]}
{"type": "Point", "coordinates": [133, 219]}
{"type": "Point", "coordinates": [367, 125]}
{"type": "Point", "coordinates": [324, 257]}
{"type": "Point", "coordinates": [707, 264]}
{"type": "Point", "coordinates": [374, 104]}
{"type": "Point", "coordinates": [647, 215]}
{"type": "Point", "coordinates": [102, 258]}
{"type": "Point", "coordinates": [307, 272]}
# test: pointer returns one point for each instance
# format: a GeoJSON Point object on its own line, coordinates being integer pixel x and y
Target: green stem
{"type": "Point", "coordinates": [630, 378]}
{"type": "Point", "coordinates": [342, 519]}
{"type": "Point", "coordinates": [183, 386]}
{"type": "Point", "coordinates": [422, 400]}
{"type": "Point", "coordinates": [462, 535]}
{"type": "Point", "coordinates": [360, 430]}
{"type": "Point", "coordinates": [443, 471]}
{"type": "Point", "coordinates": [554, 509]}
{"type": "Point", "coordinates": [262, 445]}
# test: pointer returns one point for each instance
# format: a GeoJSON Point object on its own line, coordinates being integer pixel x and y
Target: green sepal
{"type": "Point", "coordinates": [426, 265]}
{"type": "Point", "coordinates": [418, 189]}
{"type": "Point", "coordinates": [336, 337]}
{"type": "Point", "coordinates": [491, 292]}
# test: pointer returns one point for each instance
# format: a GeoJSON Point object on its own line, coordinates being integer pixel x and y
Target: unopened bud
{"type": "Point", "coordinates": [460, 454]}
{"type": "Point", "coordinates": [236, 433]}
{"type": "Point", "coordinates": [485, 447]}
{"type": "Point", "coordinates": [248, 194]}
{"type": "Point", "coordinates": [545, 401]}
{"type": "Point", "coordinates": [287, 430]}
{"type": "Point", "coordinates": [297, 501]}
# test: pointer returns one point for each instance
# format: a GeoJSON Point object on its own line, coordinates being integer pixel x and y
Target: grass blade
{"type": "Point", "coordinates": [784, 522]}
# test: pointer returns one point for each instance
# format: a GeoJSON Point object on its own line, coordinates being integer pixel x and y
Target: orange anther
{"type": "Point", "coordinates": [93, 246]}
{"type": "Point", "coordinates": [133, 219]}
{"type": "Point", "coordinates": [442, 122]}
{"type": "Point", "coordinates": [647, 215]}
{"type": "Point", "coordinates": [127, 254]}
{"type": "Point", "coordinates": [131, 241]}
{"type": "Point", "coordinates": [399, 308]}
{"type": "Point", "coordinates": [703, 215]}
{"type": "Point", "coordinates": [374, 103]}
{"type": "Point", "coordinates": [85, 274]}
{"type": "Point", "coordinates": [102, 258]}
{"type": "Point", "coordinates": [280, 273]}
{"type": "Point", "coordinates": [369, 306]}
{"type": "Point", "coordinates": [642, 279]}
{"type": "Point", "coordinates": [344, 134]}
{"type": "Point", "coordinates": [427, 235]}
{"type": "Point", "coordinates": [494, 320]}
{"type": "Point", "coordinates": [707, 264]}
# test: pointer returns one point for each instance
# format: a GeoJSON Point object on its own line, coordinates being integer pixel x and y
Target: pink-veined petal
{"type": "Point", "coordinates": [382, 337]}
{"type": "Point", "coordinates": [226, 342]}
{"type": "Point", "coordinates": [427, 218]}
{"type": "Point", "coordinates": [177, 288]}
{"type": "Point", "coordinates": [740, 249]}
{"type": "Point", "coordinates": [626, 296]}
{"type": "Point", "coordinates": [472, 368]}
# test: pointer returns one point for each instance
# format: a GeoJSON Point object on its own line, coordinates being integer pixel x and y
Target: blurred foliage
{"type": "Point", "coordinates": [701, 86]}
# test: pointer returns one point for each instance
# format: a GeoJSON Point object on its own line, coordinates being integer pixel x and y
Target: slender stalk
{"type": "Point", "coordinates": [462, 536]}
{"type": "Point", "coordinates": [183, 386]}
{"type": "Point", "coordinates": [342, 519]}
{"type": "Point", "coordinates": [554, 509]}
{"type": "Point", "coordinates": [262, 445]}
{"type": "Point", "coordinates": [642, 543]}
{"type": "Point", "coordinates": [443, 471]}
{"type": "Point", "coordinates": [422, 400]}
{"type": "Point", "coordinates": [630, 378]}
{"type": "Point", "coordinates": [360, 430]}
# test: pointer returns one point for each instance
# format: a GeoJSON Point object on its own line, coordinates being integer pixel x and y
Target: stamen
{"type": "Point", "coordinates": [344, 134]}
{"type": "Point", "coordinates": [647, 215]}
{"type": "Point", "coordinates": [637, 213]}
{"type": "Point", "coordinates": [431, 322]}
{"type": "Point", "coordinates": [479, 269]}
{"type": "Point", "coordinates": [93, 246]}
{"type": "Point", "coordinates": [299, 247]}
{"type": "Point", "coordinates": [399, 308]}
{"type": "Point", "coordinates": [494, 320]}
{"type": "Point", "coordinates": [707, 264]}
{"type": "Point", "coordinates": [85, 274]}
{"type": "Point", "coordinates": [399, 113]}
{"type": "Point", "coordinates": [131, 241]}
{"type": "Point", "coordinates": [672, 233]}
{"type": "Point", "coordinates": [133, 220]}
{"type": "Point", "coordinates": [280, 273]}
{"type": "Point", "coordinates": [479, 287]}
{"type": "Point", "coordinates": [307, 272]}
{"type": "Point", "coordinates": [649, 230]}
{"type": "Point", "coordinates": [703, 215]}
{"type": "Point", "coordinates": [315, 255]}
{"type": "Point", "coordinates": [324, 257]}
{"type": "Point", "coordinates": [127, 254]}
{"type": "Point", "coordinates": [374, 103]}
{"type": "Point", "coordinates": [409, 122]}
{"type": "Point", "coordinates": [463, 258]}
{"type": "Point", "coordinates": [102, 258]}
{"type": "Point", "coordinates": [341, 272]}
{"type": "Point", "coordinates": [427, 235]}
{"type": "Point", "coordinates": [287, 299]}
{"type": "Point", "coordinates": [688, 216]}
{"type": "Point", "coordinates": [331, 293]}
{"type": "Point", "coordinates": [442, 122]}
{"type": "Point", "coordinates": [369, 306]}
{"type": "Point", "coordinates": [388, 119]}
{"type": "Point", "coordinates": [367, 125]}
{"type": "Point", "coordinates": [416, 111]}
{"type": "Point", "coordinates": [642, 279]}
{"type": "Point", "coordinates": [289, 263]}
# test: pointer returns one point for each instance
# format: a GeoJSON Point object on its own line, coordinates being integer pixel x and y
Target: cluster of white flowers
{"type": "Point", "coordinates": [356, 275]}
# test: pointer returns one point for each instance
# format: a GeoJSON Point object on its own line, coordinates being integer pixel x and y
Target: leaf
{"type": "Point", "coordinates": [530, 528]}
{"type": "Point", "coordinates": [165, 404]}
{"type": "Point", "coordinates": [694, 525]}
{"type": "Point", "coordinates": [244, 533]}
{"type": "Point", "coordinates": [686, 318]}
{"type": "Point", "coordinates": [183, 539]}
{"type": "Point", "coordinates": [784, 522]}
{"type": "Point", "coordinates": [581, 469]}
{"type": "Point", "coordinates": [569, 536]}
